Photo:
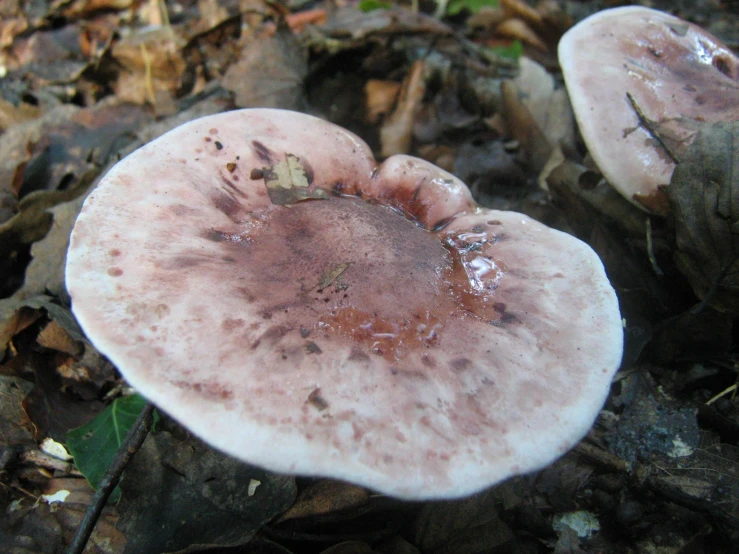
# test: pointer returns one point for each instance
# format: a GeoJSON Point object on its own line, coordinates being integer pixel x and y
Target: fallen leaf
{"type": "Point", "coordinates": [539, 115]}
{"type": "Point", "coordinates": [703, 198]}
{"type": "Point", "coordinates": [45, 273]}
{"type": "Point", "coordinates": [351, 22]}
{"type": "Point", "coordinates": [55, 337]}
{"type": "Point", "coordinates": [269, 73]}
{"type": "Point", "coordinates": [15, 428]}
{"type": "Point", "coordinates": [331, 274]}
{"type": "Point", "coordinates": [466, 526]}
{"type": "Point", "coordinates": [518, 29]}
{"type": "Point", "coordinates": [289, 182]}
{"type": "Point", "coordinates": [381, 97]}
{"type": "Point", "coordinates": [153, 63]}
{"type": "Point", "coordinates": [325, 497]}
{"type": "Point", "coordinates": [178, 494]}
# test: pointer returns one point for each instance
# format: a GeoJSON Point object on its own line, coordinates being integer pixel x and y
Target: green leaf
{"type": "Point", "coordinates": [372, 5]}
{"type": "Point", "coordinates": [514, 50]}
{"type": "Point", "coordinates": [94, 445]}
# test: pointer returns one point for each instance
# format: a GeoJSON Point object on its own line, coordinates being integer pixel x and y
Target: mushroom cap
{"type": "Point", "coordinates": [675, 71]}
{"type": "Point", "coordinates": [393, 333]}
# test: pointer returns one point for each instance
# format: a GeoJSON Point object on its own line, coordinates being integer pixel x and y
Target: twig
{"type": "Point", "coordinates": [148, 83]}
{"type": "Point", "coordinates": [650, 250]}
{"type": "Point", "coordinates": [723, 393]}
{"type": "Point", "coordinates": [128, 448]}
{"type": "Point", "coordinates": [649, 126]}
{"type": "Point", "coordinates": [601, 457]}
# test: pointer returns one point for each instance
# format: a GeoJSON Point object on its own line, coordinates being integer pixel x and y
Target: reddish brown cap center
{"type": "Point", "coordinates": [354, 269]}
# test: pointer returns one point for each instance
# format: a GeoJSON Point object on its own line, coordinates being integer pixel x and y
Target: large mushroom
{"type": "Point", "coordinates": [260, 278]}
{"type": "Point", "coordinates": [640, 82]}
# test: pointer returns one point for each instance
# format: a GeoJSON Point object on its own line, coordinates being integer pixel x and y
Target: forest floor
{"type": "Point", "coordinates": [472, 86]}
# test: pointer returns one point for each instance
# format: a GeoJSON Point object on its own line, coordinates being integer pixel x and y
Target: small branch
{"type": "Point", "coordinates": [650, 250]}
{"type": "Point", "coordinates": [648, 124]}
{"type": "Point", "coordinates": [128, 448]}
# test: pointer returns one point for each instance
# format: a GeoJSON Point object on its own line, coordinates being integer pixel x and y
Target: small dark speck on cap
{"type": "Point", "coordinates": [219, 145]}
{"type": "Point", "coordinates": [316, 400]}
{"type": "Point", "coordinates": [312, 348]}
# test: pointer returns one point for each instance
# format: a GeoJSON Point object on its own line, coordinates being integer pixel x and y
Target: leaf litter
{"type": "Point", "coordinates": [471, 86]}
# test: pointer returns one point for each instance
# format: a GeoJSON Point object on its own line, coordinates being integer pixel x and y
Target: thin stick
{"type": "Point", "coordinates": [128, 448]}
{"type": "Point", "coordinates": [650, 250]}
{"type": "Point", "coordinates": [649, 126]}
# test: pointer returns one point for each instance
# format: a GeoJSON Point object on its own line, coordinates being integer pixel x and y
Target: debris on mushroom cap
{"type": "Point", "coordinates": [390, 332]}
{"type": "Point", "coordinates": [675, 72]}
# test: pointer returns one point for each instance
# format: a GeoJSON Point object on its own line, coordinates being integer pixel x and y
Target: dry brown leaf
{"type": "Point", "coordinates": [704, 197]}
{"type": "Point", "coordinates": [396, 134]}
{"type": "Point", "coordinates": [466, 526]}
{"type": "Point", "coordinates": [16, 146]}
{"type": "Point", "coordinates": [539, 115]}
{"type": "Point", "coordinates": [13, 115]}
{"type": "Point", "coordinates": [518, 29]}
{"type": "Point", "coordinates": [15, 428]}
{"type": "Point", "coordinates": [80, 8]}
{"type": "Point", "coordinates": [269, 73]}
{"type": "Point", "coordinates": [381, 97]}
{"type": "Point", "coordinates": [300, 20]}
{"type": "Point", "coordinates": [152, 61]}
{"type": "Point", "coordinates": [55, 337]}
{"type": "Point", "coordinates": [351, 22]}
{"type": "Point", "coordinates": [74, 490]}
{"type": "Point", "coordinates": [45, 273]}
{"type": "Point", "coordinates": [212, 13]}
{"type": "Point", "coordinates": [520, 9]}
{"type": "Point", "coordinates": [325, 497]}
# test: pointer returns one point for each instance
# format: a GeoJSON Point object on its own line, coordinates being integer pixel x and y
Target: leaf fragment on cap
{"type": "Point", "coordinates": [287, 182]}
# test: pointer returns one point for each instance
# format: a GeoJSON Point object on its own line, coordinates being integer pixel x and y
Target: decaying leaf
{"type": "Point", "coordinates": [465, 526]}
{"type": "Point", "coordinates": [331, 274]}
{"type": "Point", "coordinates": [289, 182]}
{"type": "Point", "coordinates": [153, 63]}
{"type": "Point", "coordinates": [381, 97]}
{"type": "Point", "coordinates": [16, 150]}
{"type": "Point", "coordinates": [15, 428]}
{"type": "Point", "coordinates": [179, 493]}
{"type": "Point", "coordinates": [325, 497]}
{"type": "Point", "coordinates": [269, 73]}
{"type": "Point", "coordinates": [45, 273]}
{"type": "Point", "coordinates": [704, 194]}
{"type": "Point", "coordinates": [539, 115]}
{"type": "Point", "coordinates": [55, 337]}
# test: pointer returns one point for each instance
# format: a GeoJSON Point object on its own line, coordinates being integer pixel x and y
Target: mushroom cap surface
{"type": "Point", "coordinates": [677, 74]}
{"type": "Point", "coordinates": [392, 334]}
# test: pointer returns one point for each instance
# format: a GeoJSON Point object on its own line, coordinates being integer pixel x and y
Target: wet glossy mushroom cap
{"type": "Point", "coordinates": [387, 332]}
{"type": "Point", "coordinates": [677, 74]}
